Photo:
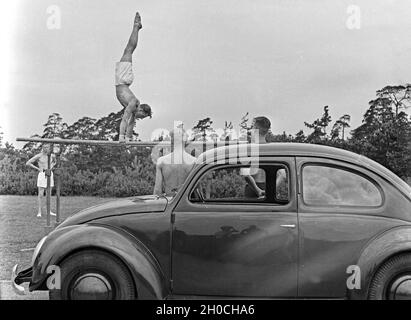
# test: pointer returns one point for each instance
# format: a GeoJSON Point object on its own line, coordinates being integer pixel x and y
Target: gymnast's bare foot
{"type": "Point", "coordinates": [137, 21]}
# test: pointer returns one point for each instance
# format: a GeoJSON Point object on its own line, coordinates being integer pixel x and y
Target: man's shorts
{"type": "Point", "coordinates": [124, 73]}
{"type": "Point", "coordinates": [42, 180]}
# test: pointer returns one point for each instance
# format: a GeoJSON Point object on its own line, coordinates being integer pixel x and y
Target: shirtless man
{"type": "Point", "coordinates": [42, 162]}
{"type": "Point", "coordinates": [172, 169]}
{"type": "Point", "coordinates": [124, 78]}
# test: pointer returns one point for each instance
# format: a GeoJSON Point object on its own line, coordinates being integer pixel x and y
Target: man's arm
{"type": "Point", "coordinates": [158, 186]}
{"type": "Point", "coordinates": [127, 116]}
{"type": "Point", "coordinates": [130, 126]}
{"type": "Point", "coordinates": [33, 160]}
{"type": "Point", "coordinates": [251, 182]}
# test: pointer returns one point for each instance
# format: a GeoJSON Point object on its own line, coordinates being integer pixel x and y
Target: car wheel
{"type": "Point", "coordinates": [94, 275]}
{"type": "Point", "coordinates": [392, 280]}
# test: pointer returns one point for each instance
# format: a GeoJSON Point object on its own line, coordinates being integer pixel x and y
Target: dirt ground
{"type": "Point", "coordinates": [20, 230]}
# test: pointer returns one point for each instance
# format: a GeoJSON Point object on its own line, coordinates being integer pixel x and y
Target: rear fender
{"type": "Point", "coordinates": [390, 243]}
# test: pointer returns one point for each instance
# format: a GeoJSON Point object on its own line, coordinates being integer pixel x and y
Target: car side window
{"type": "Point", "coordinates": [282, 185]}
{"type": "Point", "coordinates": [243, 184]}
{"type": "Point", "coordinates": [332, 186]}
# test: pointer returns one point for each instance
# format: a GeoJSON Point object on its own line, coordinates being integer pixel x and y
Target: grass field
{"type": "Point", "coordinates": [20, 229]}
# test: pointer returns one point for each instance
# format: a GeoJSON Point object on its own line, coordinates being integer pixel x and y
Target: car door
{"type": "Point", "coordinates": [226, 245]}
{"type": "Point", "coordinates": [341, 207]}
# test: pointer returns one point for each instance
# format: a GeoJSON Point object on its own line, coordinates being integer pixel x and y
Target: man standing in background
{"type": "Point", "coordinates": [255, 177]}
{"type": "Point", "coordinates": [42, 162]}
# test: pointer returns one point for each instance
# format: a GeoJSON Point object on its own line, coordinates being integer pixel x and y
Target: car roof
{"type": "Point", "coordinates": [244, 150]}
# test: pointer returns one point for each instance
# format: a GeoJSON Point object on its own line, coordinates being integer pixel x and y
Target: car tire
{"type": "Point", "coordinates": [392, 281]}
{"type": "Point", "coordinates": [94, 275]}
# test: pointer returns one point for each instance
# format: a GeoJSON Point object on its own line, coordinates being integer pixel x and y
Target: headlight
{"type": "Point", "coordinates": [36, 251]}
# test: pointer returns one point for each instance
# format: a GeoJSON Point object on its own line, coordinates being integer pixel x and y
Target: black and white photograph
{"type": "Point", "coordinates": [236, 150]}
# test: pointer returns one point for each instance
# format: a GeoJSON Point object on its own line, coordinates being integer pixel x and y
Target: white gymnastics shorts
{"type": "Point", "coordinates": [124, 73]}
{"type": "Point", "coordinates": [42, 180]}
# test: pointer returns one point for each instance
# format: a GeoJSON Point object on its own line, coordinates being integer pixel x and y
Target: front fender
{"type": "Point", "coordinates": [392, 242]}
{"type": "Point", "coordinates": [148, 277]}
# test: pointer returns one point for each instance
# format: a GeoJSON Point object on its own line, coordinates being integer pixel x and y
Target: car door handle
{"type": "Point", "coordinates": [287, 225]}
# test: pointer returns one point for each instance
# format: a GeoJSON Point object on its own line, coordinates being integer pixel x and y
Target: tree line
{"type": "Point", "coordinates": [384, 136]}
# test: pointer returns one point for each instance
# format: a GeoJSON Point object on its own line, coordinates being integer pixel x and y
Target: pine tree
{"type": "Point", "coordinates": [319, 127]}
{"type": "Point", "coordinates": [202, 129]}
{"type": "Point", "coordinates": [54, 127]}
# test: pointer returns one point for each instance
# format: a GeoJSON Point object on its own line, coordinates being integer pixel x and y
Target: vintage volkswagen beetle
{"type": "Point", "coordinates": [332, 224]}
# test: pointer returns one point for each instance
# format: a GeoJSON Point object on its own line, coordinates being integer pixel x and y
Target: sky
{"type": "Point", "coordinates": [285, 59]}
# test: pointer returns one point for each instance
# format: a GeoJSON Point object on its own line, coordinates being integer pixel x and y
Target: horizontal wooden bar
{"type": "Point", "coordinates": [120, 144]}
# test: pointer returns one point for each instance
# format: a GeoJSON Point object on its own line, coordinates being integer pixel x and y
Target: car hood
{"type": "Point", "coordinates": [134, 205]}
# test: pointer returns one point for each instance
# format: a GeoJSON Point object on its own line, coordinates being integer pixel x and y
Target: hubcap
{"type": "Point", "coordinates": [91, 286]}
{"type": "Point", "coordinates": [400, 288]}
